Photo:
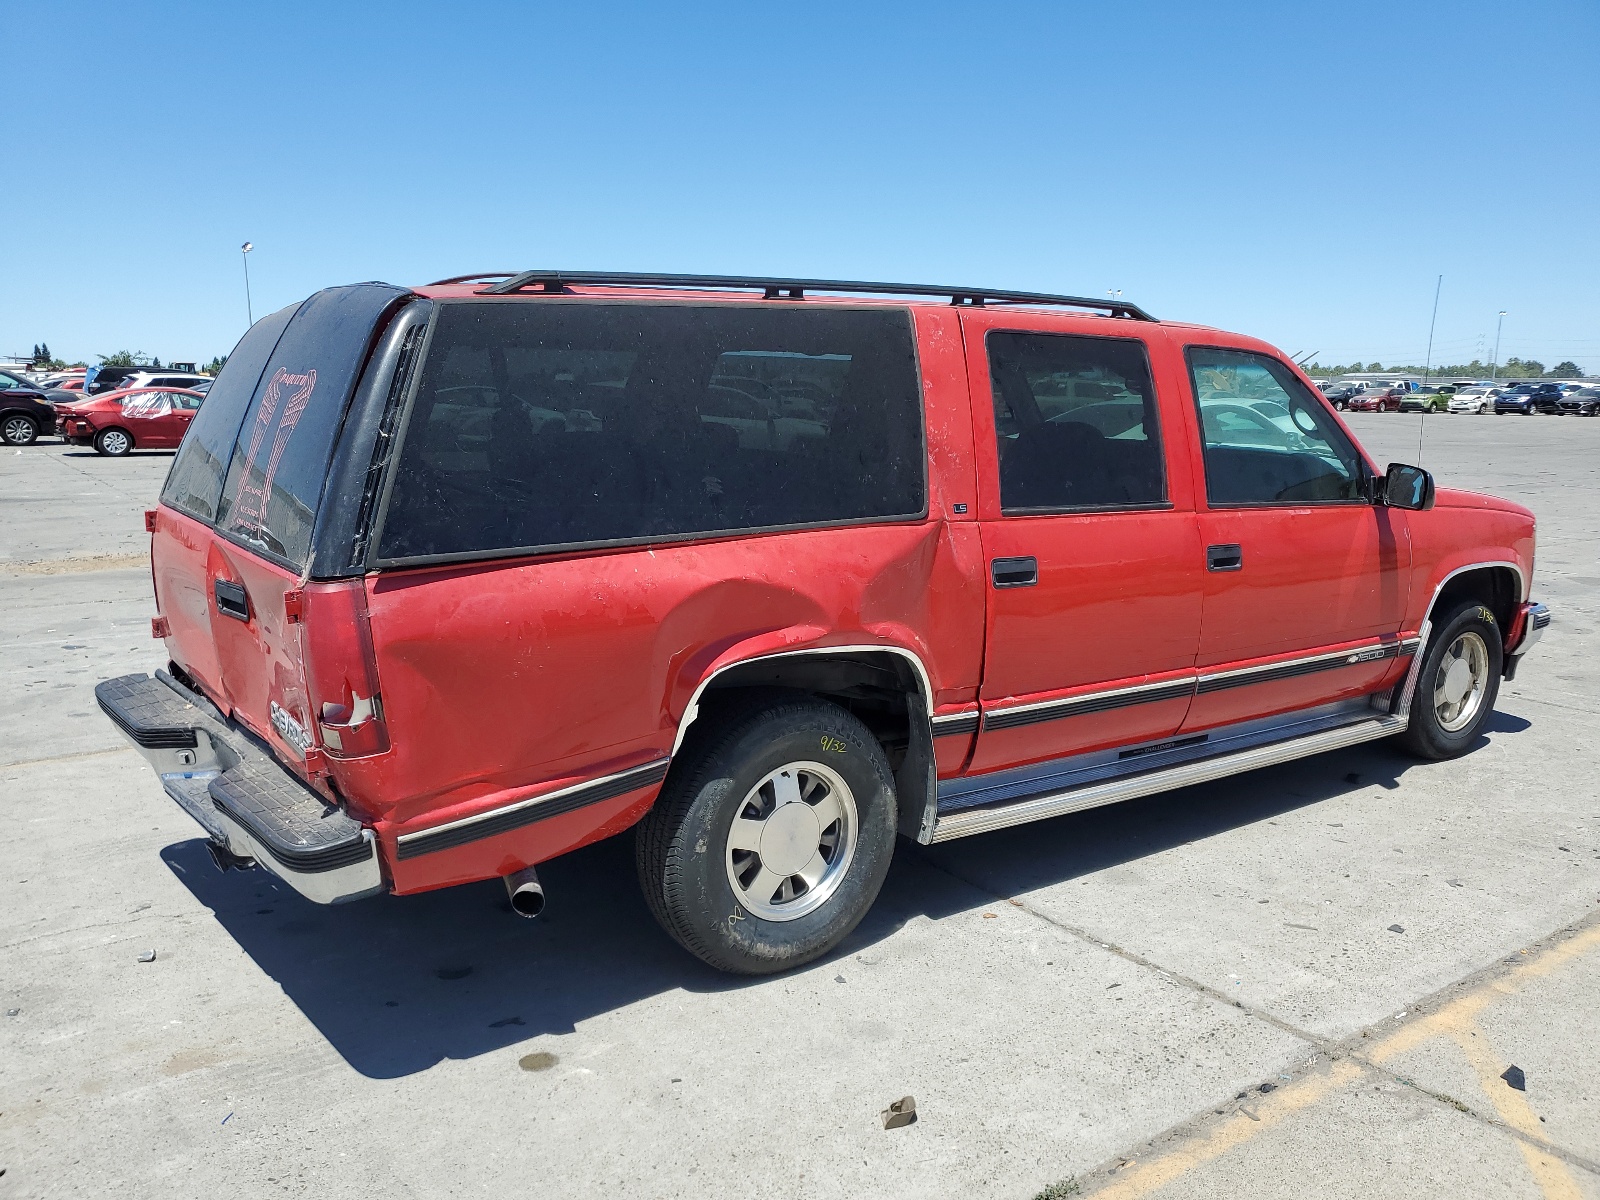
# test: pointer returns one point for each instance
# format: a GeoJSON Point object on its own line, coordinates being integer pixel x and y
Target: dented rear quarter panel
{"type": "Point", "coordinates": [503, 680]}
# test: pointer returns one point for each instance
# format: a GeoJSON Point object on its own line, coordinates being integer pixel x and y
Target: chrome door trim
{"type": "Point", "coordinates": [1216, 681]}
{"type": "Point", "coordinates": [952, 723]}
{"type": "Point", "coordinates": [1011, 716]}
{"type": "Point", "coordinates": [966, 822]}
{"type": "Point", "coordinates": [692, 710]}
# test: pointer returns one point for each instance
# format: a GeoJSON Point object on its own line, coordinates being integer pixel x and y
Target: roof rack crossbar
{"type": "Point", "coordinates": [795, 289]}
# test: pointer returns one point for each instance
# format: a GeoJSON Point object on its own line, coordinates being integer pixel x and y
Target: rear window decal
{"type": "Point", "coordinates": [255, 485]}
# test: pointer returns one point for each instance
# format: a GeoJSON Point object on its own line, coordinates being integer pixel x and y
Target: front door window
{"type": "Point", "coordinates": [1268, 439]}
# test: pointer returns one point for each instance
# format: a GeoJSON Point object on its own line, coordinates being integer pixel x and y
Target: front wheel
{"type": "Point", "coordinates": [1456, 684]}
{"type": "Point", "coordinates": [18, 429]}
{"type": "Point", "coordinates": [113, 443]}
{"type": "Point", "coordinates": [771, 839]}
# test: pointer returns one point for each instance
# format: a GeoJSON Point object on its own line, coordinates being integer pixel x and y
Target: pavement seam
{"type": "Point", "coordinates": [1330, 1052]}
{"type": "Point", "coordinates": [1437, 1014]}
{"type": "Point", "coordinates": [1195, 985]}
{"type": "Point", "coordinates": [58, 758]}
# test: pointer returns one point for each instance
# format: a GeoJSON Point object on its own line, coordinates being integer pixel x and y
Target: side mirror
{"type": "Point", "coordinates": [1406, 487]}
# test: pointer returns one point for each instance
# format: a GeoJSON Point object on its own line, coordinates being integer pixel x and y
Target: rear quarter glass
{"type": "Point", "coordinates": [194, 484]}
{"type": "Point", "coordinates": [280, 457]}
{"type": "Point", "coordinates": [539, 424]}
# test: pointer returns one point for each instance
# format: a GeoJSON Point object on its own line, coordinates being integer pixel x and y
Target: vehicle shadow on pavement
{"type": "Point", "coordinates": [398, 984]}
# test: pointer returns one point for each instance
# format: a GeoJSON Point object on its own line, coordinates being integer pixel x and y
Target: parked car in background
{"type": "Point", "coordinates": [1584, 402]}
{"type": "Point", "coordinates": [26, 411]}
{"type": "Point", "coordinates": [162, 379]}
{"type": "Point", "coordinates": [1518, 399]}
{"type": "Point", "coordinates": [1426, 399]}
{"type": "Point", "coordinates": [1376, 399]}
{"type": "Point", "coordinates": [1473, 400]}
{"type": "Point", "coordinates": [1340, 394]}
{"type": "Point", "coordinates": [120, 422]}
{"type": "Point", "coordinates": [415, 633]}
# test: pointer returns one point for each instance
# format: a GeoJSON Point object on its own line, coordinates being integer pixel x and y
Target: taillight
{"type": "Point", "coordinates": [341, 669]}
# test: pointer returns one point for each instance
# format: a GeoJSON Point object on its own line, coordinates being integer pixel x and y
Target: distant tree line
{"type": "Point", "coordinates": [1512, 368]}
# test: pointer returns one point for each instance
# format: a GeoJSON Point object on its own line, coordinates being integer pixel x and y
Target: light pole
{"type": "Point", "coordinates": [244, 257]}
{"type": "Point", "coordinates": [1494, 363]}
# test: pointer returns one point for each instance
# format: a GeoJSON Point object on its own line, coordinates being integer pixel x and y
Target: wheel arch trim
{"type": "Point", "coordinates": [924, 684]}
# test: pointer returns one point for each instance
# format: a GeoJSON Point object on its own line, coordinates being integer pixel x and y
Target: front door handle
{"type": "Point", "coordinates": [1014, 572]}
{"type": "Point", "coordinates": [232, 600]}
{"type": "Point", "coordinates": [1225, 558]}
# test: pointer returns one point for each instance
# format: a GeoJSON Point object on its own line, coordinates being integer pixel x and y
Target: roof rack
{"type": "Point", "coordinates": [472, 278]}
{"type": "Point", "coordinates": [553, 282]}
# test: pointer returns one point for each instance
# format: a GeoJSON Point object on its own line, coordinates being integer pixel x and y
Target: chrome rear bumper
{"type": "Point", "coordinates": [239, 794]}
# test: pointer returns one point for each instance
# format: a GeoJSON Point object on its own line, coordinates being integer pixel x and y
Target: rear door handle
{"type": "Point", "coordinates": [1014, 572]}
{"type": "Point", "coordinates": [1225, 558]}
{"type": "Point", "coordinates": [232, 600]}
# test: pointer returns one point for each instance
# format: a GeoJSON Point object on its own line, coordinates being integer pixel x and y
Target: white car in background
{"type": "Point", "coordinates": [164, 379]}
{"type": "Point", "coordinates": [1478, 400]}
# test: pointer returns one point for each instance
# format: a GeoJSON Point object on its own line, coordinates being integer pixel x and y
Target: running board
{"type": "Point", "coordinates": [965, 822]}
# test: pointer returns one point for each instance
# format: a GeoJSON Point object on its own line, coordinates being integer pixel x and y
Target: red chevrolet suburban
{"type": "Point", "coordinates": [456, 579]}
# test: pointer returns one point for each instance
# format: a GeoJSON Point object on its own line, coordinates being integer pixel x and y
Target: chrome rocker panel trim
{"type": "Point", "coordinates": [964, 823]}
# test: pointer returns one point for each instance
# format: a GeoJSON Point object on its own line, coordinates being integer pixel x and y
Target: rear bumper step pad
{"type": "Point", "coordinates": [239, 794]}
{"type": "Point", "coordinates": [151, 717]}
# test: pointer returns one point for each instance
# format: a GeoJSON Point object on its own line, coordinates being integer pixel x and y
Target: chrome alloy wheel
{"type": "Point", "coordinates": [1460, 683]}
{"type": "Point", "coordinates": [116, 442]}
{"type": "Point", "coordinates": [17, 431]}
{"type": "Point", "coordinates": [791, 841]}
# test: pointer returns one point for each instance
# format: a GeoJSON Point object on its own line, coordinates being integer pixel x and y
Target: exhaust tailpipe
{"type": "Point", "coordinates": [526, 892]}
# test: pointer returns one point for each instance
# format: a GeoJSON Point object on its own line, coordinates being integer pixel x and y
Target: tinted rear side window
{"type": "Point", "coordinates": [194, 484]}
{"type": "Point", "coordinates": [1076, 421]}
{"type": "Point", "coordinates": [544, 423]}
{"type": "Point", "coordinates": [280, 458]}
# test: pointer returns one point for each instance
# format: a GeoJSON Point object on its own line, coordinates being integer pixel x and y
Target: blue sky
{"type": "Point", "coordinates": [1302, 172]}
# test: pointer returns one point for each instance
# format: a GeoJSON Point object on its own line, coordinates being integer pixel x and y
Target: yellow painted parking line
{"type": "Point", "coordinates": [1143, 1178]}
{"type": "Point", "coordinates": [1456, 1020]}
{"type": "Point", "coordinates": [1549, 1172]}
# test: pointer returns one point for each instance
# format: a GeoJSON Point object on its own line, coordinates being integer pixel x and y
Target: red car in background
{"type": "Point", "coordinates": [117, 422]}
{"type": "Point", "coordinates": [1376, 400]}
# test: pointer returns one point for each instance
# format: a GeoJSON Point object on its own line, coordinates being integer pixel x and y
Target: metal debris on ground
{"type": "Point", "coordinates": [147, 956]}
{"type": "Point", "coordinates": [1515, 1078]}
{"type": "Point", "coordinates": [11, 1012]}
{"type": "Point", "coordinates": [1397, 929]}
{"type": "Point", "coordinates": [902, 1112]}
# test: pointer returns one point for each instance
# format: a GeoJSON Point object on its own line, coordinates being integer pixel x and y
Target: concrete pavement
{"type": "Point", "coordinates": [1076, 1005]}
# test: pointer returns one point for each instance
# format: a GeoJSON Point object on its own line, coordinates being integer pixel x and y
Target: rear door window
{"type": "Point", "coordinates": [280, 457]}
{"type": "Point", "coordinates": [542, 424]}
{"type": "Point", "coordinates": [1076, 423]}
{"type": "Point", "coordinates": [194, 484]}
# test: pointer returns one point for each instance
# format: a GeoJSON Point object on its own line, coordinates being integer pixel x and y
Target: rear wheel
{"type": "Point", "coordinates": [1456, 684]}
{"type": "Point", "coordinates": [18, 429]}
{"type": "Point", "coordinates": [771, 839]}
{"type": "Point", "coordinates": [113, 443]}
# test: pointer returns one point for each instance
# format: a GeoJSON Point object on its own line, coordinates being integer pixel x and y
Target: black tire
{"type": "Point", "coordinates": [113, 443]}
{"type": "Point", "coordinates": [18, 429]}
{"type": "Point", "coordinates": [682, 847]}
{"type": "Point", "coordinates": [1427, 735]}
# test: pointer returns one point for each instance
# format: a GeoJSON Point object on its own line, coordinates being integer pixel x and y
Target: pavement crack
{"type": "Point", "coordinates": [1195, 985]}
